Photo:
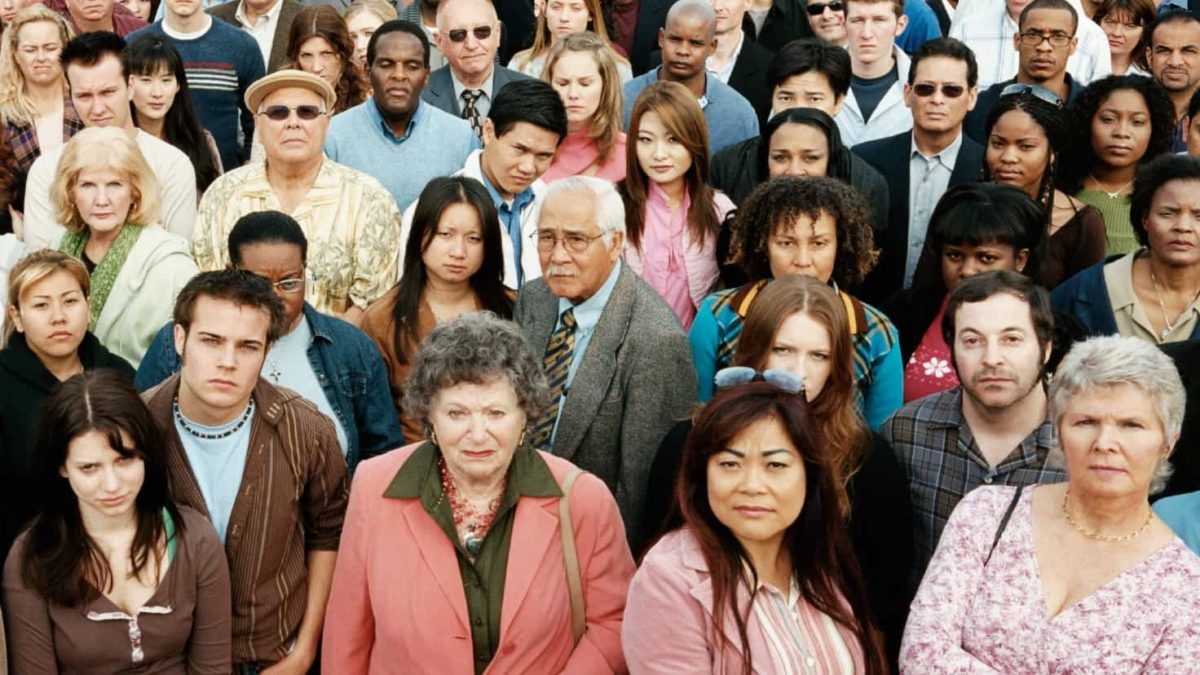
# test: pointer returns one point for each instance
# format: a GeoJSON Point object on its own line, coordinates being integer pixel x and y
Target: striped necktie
{"type": "Point", "coordinates": [557, 364]}
{"type": "Point", "coordinates": [470, 113]}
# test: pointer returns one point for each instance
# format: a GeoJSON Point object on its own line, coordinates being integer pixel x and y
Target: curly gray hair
{"type": "Point", "coordinates": [1112, 360]}
{"type": "Point", "coordinates": [476, 347]}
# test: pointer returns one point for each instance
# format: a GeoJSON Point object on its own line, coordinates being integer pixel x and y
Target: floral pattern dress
{"type": "Point", "coordinates": [969, 617]}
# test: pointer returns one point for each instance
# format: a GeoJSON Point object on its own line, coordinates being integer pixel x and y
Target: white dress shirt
{"type": "Point", "coordinates": [724, 73]}
{"type": "Point", "coordinates": [263, 30]}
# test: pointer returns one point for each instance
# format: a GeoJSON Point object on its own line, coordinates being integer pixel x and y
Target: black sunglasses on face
{"type": "Point", "coordinates": [460, 34]}
{"type": "Point", "coordinates": [925, 90]}
{"type": "Point", "coordinates": [818, 8]}
{"type": "Point", "coordinates": [279, 113]}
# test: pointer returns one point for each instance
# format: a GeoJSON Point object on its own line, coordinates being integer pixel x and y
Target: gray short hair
{"type": "Point", "coordinates": [1112, 360]}
{"type": "Point", "coordinates": [610, 208]}
{"type": "Point", "coordinates": [476, 347]}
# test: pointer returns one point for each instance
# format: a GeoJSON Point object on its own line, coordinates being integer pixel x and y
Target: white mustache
{"type": "Point", "coordinates": [561, 271]}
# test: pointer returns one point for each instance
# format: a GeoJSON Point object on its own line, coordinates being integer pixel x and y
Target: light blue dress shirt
{"type": "Point", "coordinates": [928, 178]}
{"type": "Point", "coordinates": [587, 317]}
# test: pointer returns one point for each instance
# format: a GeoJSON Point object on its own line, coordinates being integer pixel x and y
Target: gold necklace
{"type": "Point", "coordinates": [1170, 325]}
{"type": "Point", "coordinates": [1091, 534]}
{"type": "Point", "coordinates": [1111, 195]}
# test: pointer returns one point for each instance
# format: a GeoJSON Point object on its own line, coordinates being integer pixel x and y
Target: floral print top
{"type": "Point", "coordinates": [969, 617]}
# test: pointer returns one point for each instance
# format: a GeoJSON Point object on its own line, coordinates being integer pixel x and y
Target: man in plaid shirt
{"type": "Point", "coordinates": [993, 429]}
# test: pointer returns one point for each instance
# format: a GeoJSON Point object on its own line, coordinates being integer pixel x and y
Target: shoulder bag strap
{"type": "Point", "coordinates": [566, 528]}
{"type": "Point", "coordinates": [1004, 523]}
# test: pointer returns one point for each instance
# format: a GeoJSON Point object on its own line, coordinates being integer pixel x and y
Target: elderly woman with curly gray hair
{"type": "Point", "coordinates": [1078, 576]}
{"type": "Point", "coordinates": [473, 551]}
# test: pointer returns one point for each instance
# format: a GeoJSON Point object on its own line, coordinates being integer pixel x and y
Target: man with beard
{"type": "Point", "coordinates": [1174, 55]}
{"type": "Point", "coordinates": [994, 428]}
{"type": "Point", "coordinates": [411, 142]}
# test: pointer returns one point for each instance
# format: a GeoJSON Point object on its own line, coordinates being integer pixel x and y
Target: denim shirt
{"type": "Point", "coordinates": [348, 366]}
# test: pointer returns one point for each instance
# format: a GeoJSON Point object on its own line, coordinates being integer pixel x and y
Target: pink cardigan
{"type": "Point", "coordinates": [397, 604]}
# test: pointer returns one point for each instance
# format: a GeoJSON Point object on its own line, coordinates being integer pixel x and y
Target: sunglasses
{"type": "Point", "coordinates": [925, 90]}
{"type": "Point", "coordinates": [460, 34]}
{"type": "Point", "coordinates": [739, 375]}
{"type": "Point", "coordinates": [1040, 93]}
{"type": "Point", "coordinates": [818, 8]}
{"type": "Point", "coordinates": [279, 113]}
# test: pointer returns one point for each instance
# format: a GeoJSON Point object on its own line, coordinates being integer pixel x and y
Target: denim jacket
{"type": "Point", "coordinates": [348, 366]}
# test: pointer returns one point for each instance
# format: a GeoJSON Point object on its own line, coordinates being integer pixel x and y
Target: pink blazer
{"type": "Point", "coordinates": [397, 604]}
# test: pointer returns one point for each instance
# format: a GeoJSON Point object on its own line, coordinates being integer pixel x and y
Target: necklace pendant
{"type": "Point", "coordinates": [473, 544]}
{"type": "Point", "coordinates": [1162, 334]}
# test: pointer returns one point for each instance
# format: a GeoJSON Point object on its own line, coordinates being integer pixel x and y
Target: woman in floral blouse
{"type": "Point", "coordinates": [1078, 576]}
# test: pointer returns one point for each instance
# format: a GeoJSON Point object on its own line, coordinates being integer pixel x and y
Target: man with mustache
{"type": "Point", "coordinates": [994, 428]}
{"type": "Point", "coordinates": [1174, 55]}
{"type": "Point", "coordinates": [618, 364]}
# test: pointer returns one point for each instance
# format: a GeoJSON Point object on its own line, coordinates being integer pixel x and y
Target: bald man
{"type": "Point", "coordinates": [687, 40]}
{"type": "Point", "coordinates": [468, 35]}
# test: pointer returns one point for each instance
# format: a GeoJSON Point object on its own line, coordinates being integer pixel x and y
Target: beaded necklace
{"type": "Point", "coordinates": [207, 436]}
{"type": "Point", "coordinates": [472, 525]}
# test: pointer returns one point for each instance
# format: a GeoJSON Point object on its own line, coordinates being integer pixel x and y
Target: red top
{"type": "Point", "coordinates": [930, 368]}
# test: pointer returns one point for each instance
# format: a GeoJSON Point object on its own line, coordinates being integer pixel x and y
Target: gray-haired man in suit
{"type": "Point", "coordinates": [616, 357]}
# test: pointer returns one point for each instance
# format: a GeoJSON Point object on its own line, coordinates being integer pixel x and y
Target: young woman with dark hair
{"type": "Point", "coordinates": [162, 104]}
{"type": "Point", "coordinates": [460, 269]}
{"type": "Point", "coordinates": [762, 576]}
{"type": "Point", "coordinates": [112, 576]}
{"type": "Point", "coordinates": [319, 43]}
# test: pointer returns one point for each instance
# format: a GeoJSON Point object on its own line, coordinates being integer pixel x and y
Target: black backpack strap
{"type": "Point", "coordinates": [1004, 523]}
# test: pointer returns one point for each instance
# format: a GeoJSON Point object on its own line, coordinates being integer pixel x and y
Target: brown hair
{"type": "Point", "coordinates": [32, 269]}
{"type": "Point", "coordinates": [822, 558]}
{"type": "Point", "coordinates": [605, 125]}
{"type": "Point", "coordinates": [542, 38]}
{"type": "Point", "coordinates": [1140, 12]}
{"type": "Point", "coordinates": [681, 115]}
{"type": "Point", "coordinates": [323, 21]}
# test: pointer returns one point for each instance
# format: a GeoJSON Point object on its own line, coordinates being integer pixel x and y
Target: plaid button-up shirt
{"type": "Point", "coordinates": [935, 446]}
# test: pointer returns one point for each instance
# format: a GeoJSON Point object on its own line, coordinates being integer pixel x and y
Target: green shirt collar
{"type": "Point", "coordinates": [528, 476]}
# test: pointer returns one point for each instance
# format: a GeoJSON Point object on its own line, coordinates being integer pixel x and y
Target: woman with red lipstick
{"type": "Point", "coordinates": [113, 576]}
{"type": "Point", "coordinates": [46, 341]}
{"type": "Point", "coordinates": [583, 70]}
{"type": "Point", "coordinates": [672, 216]}
{"type": "Point", "coordinates": [1124, 22]}
{"type": "Point", "coordinates": [1074, 577]}
{"type": "Point", "coordinates": [762, 576]}
{"type": "Point", "coordinates": [1121, 122]}
{"type": "Point", "coordinates": [460, 270]}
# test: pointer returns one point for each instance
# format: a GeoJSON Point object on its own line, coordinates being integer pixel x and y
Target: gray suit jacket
{"type": "Point", "coordinates": [635, 382]}
{"type": "Point", "coordinates": [227, 12]}
{"type": "Point", "coordinates": [439, 90]}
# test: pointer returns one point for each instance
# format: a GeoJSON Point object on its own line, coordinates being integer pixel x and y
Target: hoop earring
{"type": "Point", "coordinates": [433, 437]}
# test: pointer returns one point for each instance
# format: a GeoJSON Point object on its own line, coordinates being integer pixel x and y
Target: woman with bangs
{"type": "Point", "coordinates": [762, 576]}
{"type": "Point", "coordinates": [113, 576]}
{"type": "Point", "coordinates": [583, 70]}
{"type": "Point", "coordinates": [1124, 22]}
{"type": "Point", "coordinates": [460, 270]}
{"type": "Point", "coordinates": [672, 216]}
{"type": "Point", "coordinates": [319, 43]}
{"type": "Point", "coordinates": [559, 19]}
{"type": "Point", "coordinates": [817, 227]}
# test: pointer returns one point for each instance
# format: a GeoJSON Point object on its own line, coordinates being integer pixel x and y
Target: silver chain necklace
{"type": "Point", "coordinates": [1170, 325]}
{"type": "Point", "coordinates": [1111, 195]}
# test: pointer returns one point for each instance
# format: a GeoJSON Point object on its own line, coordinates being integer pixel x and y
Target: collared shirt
{"type": "Point", "coordinates": [723, 74]}
{"type": "Point", "coordinates": [287, 364]}
{"type": "Point", "coordinates": [730, 117]}
{"type": "Point", "coordinates": [1132, 317]}
{"type": "Point", "coordinates": [587, 316]}
{"type": "Point", "coordinates": [510, 211]}
{"type": "Point", "coordinates": [262, 30]}
{"type": "Point", "coordinates": [928, 178]}
{"type": "Point", "coordinates": [801, 638]}
{"type": "Point", "coordinates": [350, 221]}
{"type": "Point", "coordinates": [986, 26]}
{"type": "Point", "coordinates": [934, 444]}
{"type": "Point", "coordinates": [483, 104]}
{"type": "Point", "coordinates": [662, 252]}
{"type": "Point", "coordinates": [484, 577]}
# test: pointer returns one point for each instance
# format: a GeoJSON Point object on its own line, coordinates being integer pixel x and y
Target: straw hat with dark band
{"type": "Point", "coordinates": [282, 79]}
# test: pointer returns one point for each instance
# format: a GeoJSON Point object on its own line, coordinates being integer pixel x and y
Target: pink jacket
{"type": "Point", "coordinates": [397, 604]}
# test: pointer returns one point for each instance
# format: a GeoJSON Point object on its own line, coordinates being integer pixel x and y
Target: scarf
{"type": "Point", "coordinates": [109, 266]}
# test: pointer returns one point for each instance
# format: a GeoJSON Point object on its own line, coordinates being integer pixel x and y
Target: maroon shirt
{"type": "Point", "coordinates": [124, 21]}
{"type": "Point", "coordinates": [625, 16]}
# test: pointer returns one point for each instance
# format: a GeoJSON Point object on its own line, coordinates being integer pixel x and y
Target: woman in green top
{"type": "Point", "coordinates": [1121, 123]}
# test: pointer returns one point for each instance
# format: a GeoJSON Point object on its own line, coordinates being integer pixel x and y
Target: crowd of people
{"type": "Point", "coordinates": [650, 336]}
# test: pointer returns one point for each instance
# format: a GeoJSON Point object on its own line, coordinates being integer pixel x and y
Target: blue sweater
{"type": "Point", "coordinates": [731, 119]}
{"type": "Point", "coordinates": [221, 65]}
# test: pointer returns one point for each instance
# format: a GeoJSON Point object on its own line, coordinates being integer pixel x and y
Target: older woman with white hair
{"type": "Point", "coordinates": [1078, 576]}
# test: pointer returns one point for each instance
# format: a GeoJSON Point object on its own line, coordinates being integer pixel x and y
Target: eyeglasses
{"type": "Point", "coordinates": [460, 34]}
{"type": "Point", "coordinates": [289, 286]}
{"type": "Point", "coordinates": [279, 113]}
{"type": "Point", "coordinates": [1041, 93]}
{"type": "Point", "coordinates": [925, 90]}
{"type": "Point", "coordinates": [575, 243]}
{"type": "Point", "coordinates": [739, 375]}
{"type": "Point", "coordinates": [818, 8]}
{"type": "Point", "coordinates": [1032, 38]}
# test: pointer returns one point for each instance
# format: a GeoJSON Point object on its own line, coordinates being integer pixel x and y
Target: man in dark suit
{"type": "Point", "coordinates": [468, 36]}
{"type": "Point", "coordinates": [920, 164]}
{"type": "Point", "coordinates": [619, 365]}
{"type": "Point", "coordinates": [739, 61]}
{"type": "Point", "coordinates": [267, 21]}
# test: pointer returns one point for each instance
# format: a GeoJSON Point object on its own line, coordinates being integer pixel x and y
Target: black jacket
{"type": "Point", "coordinates": [1186, 458]}
{"type": "Point", "coordinates": [786, 21]}
{"type": "Point", "coordinates": [25, 384]}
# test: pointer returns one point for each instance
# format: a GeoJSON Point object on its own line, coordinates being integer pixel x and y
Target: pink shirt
{"type": "Point", "coordinates": [929, 369]}
{"type": "Point", "coordinates": [577, 153]}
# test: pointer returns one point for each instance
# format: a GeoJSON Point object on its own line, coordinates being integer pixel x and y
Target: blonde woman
{"type": "Point", "coordinates": [106, 195]}
{"type": "Point", "coordinates": [363, 18]}
{"type": "Point", "coordinates": [583, 70]}
{"type": "Point", "coordinates": [558, 19]}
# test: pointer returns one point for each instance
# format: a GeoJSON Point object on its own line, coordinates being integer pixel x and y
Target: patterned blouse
{"type": "Point", "coordinates": [969, 617]}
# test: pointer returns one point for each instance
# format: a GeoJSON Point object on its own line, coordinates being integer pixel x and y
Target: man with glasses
{"type": "Point", "coordinates": [1174, 55]}
{"type": "Point", "coordinates": [921, 164]}
{"type": "Point", "coordinates": [1044, 45]}
{"type": "Point", "coordinates": [992, 29]}
{"type": "Point", "coordinates": [348, 216]}
{"type": "Point", "coordinates": [325, 360]}
{"type": "Point", "coordinates": [468, 35]}
{"type": "Point", "coordinates": [618, 364]}
{"type": "Point", "coordinates": [827, 19]}
{"type": "Point", "coordinates": [874, 107]}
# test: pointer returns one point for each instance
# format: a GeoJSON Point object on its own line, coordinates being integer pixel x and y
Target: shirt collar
{"type": "Point", "coordinates": [528, 475]}
{"type": "Point", "coordinates": [518, 202]}
{"type": "Point", "coordinates": [737, 51]}
{"type": "Point", "coordinates": [587, 313]}
{"type": "Point", "coordinates": [949, 154]}
{"type": "Point", "coordinates": [271, 16]}
{"type": "Point", "coordinates": [1121, 294]}
{"type": "Point", "coordinates": [486, 87]}
{"type": "Point", "coordinates": [417, 117]}
{"type": "Point", "coordinates": [189, 36]}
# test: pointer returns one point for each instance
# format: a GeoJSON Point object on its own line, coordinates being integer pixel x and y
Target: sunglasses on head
{"type": "Point", "coordinates": [818, 8]}
{"type": "Point", "coordinates": [925, 90]}
{"type": "Point", "coordinates": [280, 113]}
{"type": "Point", "coordinates": [1041, 93]}
{"type": "Point", "coordinates": [738, 375]}
{"type": "Point", "coordinates": [460, 34]}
